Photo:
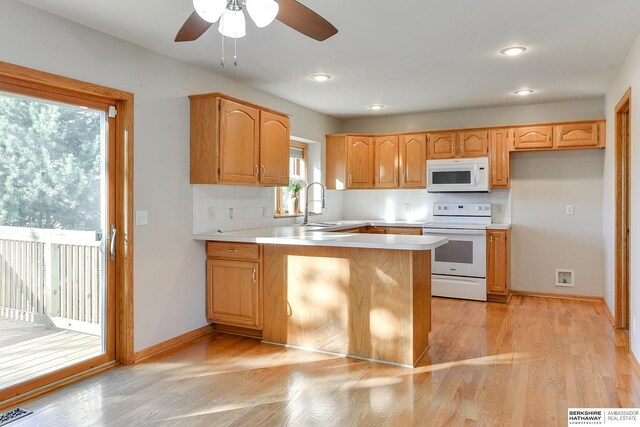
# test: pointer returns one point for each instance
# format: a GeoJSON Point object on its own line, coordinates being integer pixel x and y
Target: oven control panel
{"type": "Point", "coordinates": [470, 209]}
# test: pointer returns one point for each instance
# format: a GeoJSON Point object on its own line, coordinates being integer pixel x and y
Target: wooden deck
{"type": "Point", "coordinates": [28, 350]}
{"type": "Point", "coordinates": [522, 363]}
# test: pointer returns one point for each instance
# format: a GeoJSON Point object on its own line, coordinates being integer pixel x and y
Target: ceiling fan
{"type": "Point", "coordinates": [232, 22]}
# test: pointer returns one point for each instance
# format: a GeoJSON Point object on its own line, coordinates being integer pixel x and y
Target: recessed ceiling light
{"type": "Point", "coordinates": [513, 50]}
{"type": "Point", "coordinates": [376, 106]}
{"type": "Point", "coordinates": [523, 92]}
{"type": "Point", "coordinates": [321, 77]}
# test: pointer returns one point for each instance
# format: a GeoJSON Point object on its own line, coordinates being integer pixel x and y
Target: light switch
{"type": "Point", "coordinates": [142, 217]}
{"type": "Point", "coordinates": [569, 209]}
{"type": "Point", "coordinates": [212, 214]}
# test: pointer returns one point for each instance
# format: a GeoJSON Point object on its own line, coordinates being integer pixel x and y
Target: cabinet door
{"type": "Point", "coordinates": [499, 142]}
{"type": "Point", "coordinates": [239, 127]}
{"type": "Point", "coordinates": [274, 148]}
{"type": "Point", "coordinates": [473, 143]}
{"type": "Point", "coordinates": [386, 162]}
{"type": "Point", "coordinates": [577, 135]}
{"type": "Point", "coordinates": [498, 269]}
{"type": "Point", "coordinates": [360, 162]}
{"type": "Point", "coordinates": [442, 145]}
{"type": "Point", "coordinates": [413, 161]}
{"type": "Point", "coordinates": [233, 293]}
{"type": "Point", "coordinates": [533, 137]}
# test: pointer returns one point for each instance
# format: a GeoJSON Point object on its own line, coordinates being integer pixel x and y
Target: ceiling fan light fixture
{"type": "Point", "coordinates": [262, 12]}
{"type": "Point", "coordinates": [210, 10]}
{"type": "Point", "coordinates": [232, 24]}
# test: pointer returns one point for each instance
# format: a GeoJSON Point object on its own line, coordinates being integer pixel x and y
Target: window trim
{"type": "Point", "coordinates": [280, 210]}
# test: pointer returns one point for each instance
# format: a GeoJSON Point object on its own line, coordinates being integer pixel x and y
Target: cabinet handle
{"type": "Point", "coordinates": [395, 178]}
{"type": "Point", "coordinates": [560, 135]}
{"type": "Point", "coordinates": [549, 137]}
{"type": "Point", "coordinates": [491, 239]}
{"type": "Point", "coordinates": [263, 170]}
{"type": "Point", "coordinates": [453, 148]}
{"type": "Point", "coordinates": [257, 170]}
{"type": "Point", "coordinates": [254, 275]}
{"type": "Point", "coordinates": [462, 148]}
{"type": "Point", "coordinates": [231, 250]}
{"type": "Point", "coordinates": [350, 180]}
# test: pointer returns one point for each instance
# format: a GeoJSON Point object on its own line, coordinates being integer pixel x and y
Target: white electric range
{"type": "Point", "coordinates": [459, 268]}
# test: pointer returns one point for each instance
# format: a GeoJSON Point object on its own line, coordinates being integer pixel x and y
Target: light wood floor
{"type": "Point", "coordinates": [28, 350]}
{"type": "Point", "coordinates": [489, 364]}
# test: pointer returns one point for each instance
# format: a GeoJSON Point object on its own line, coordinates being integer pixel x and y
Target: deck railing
{"type": "Point", "coordinates": [51, 276]}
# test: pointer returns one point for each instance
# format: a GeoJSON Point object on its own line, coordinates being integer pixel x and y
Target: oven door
{"type": "Point", "coordinates": [464, 255]}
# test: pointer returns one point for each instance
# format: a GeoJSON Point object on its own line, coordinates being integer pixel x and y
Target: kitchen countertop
{"type": "Point", "coordinates": [328, 234]}
{"type": "Point", "coordinates": [499, 227]}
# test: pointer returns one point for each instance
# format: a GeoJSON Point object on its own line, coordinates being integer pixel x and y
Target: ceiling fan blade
{"type": "Point", "coordinates": [192, 28]}
{"type": "Point", "coordinates": [304, 20]}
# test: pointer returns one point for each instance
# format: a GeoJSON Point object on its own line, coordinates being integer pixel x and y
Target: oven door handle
{"type": "Point", "coordinates": [427, 231]}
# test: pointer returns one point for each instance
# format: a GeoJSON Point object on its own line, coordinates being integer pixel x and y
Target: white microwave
{"type": "Point", "coordinates": [458, 175]}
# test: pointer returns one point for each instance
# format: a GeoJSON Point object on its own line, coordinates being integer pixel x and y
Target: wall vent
{"type": "Point", "coordinates": [564, 277]}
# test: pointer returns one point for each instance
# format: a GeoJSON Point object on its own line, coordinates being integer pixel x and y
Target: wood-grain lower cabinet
{"type": "Point", "coordinates": [234, 291]}
{"type": "Point", "coordinates": [498, 265]}
{"type": "Point", "coordinates": [499, 143]}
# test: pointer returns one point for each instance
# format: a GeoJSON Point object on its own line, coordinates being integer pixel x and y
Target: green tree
{"type": "Point", "coordinates": [49, 165]}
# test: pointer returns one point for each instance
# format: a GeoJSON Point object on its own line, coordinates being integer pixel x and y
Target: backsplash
{"type": "Point", "coordinates": [239, 207]}
{"type": "Point", "coordinates": [416, 205]}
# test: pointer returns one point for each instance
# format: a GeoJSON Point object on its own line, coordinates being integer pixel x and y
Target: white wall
{"type": "Point", "coordinates": [628, 76]}
{"type": "Point", "coordinates": [585, 109]}
{"type": "Point", "coordinates": [169, 266]}
{"type": "Point", "coordinates": [543, 236]}
{"type": "Point", "coordinates": [542, 185]}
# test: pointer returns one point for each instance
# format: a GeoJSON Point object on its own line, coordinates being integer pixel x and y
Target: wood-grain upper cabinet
{"type": "Point", "coordinates": [274, 148]}
{"type": "Point", "coordinates": [473, 143]}
{"type": "Point", "coordinates": [578, 135]}
{"type": "Point", "coordinates": [235, 142]}
{"type": "Point", "coordinates": [360, 153]}
{"type": "Point", "coordinates": [498, 264]}
{"type": "Point", "coordinates": [499, 143]}
{"type": "Point", "coordinates": [234, 295]}
{"type": "Point", "coordinates": [386, 162]}
{"type": "Point", "coordinates": [442, 145]}
{"type": "Point", "coordinates": [413, 161]}
{"type": "Point", "coordinates": [533, 137]}
{"type": "Point", "coordinates": [450, 145]}
{"type": "Point", "coordinates": [239, 151]}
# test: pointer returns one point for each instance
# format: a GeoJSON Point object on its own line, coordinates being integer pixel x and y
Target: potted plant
{"type": "Point", "coordinates": [296, 184]}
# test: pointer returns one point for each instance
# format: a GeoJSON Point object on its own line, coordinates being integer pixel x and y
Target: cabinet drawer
{"type": "Point", "coordinates": [414, 231]}
{"type": "Point", "coordinates": [232, 250]}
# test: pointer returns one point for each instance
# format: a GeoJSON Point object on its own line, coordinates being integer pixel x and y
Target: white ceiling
{"type": "Point", "coordinates": [411, 55]}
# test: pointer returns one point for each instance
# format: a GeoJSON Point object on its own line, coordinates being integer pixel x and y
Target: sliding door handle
{"type": "Point", "coordinates": [112, 242]}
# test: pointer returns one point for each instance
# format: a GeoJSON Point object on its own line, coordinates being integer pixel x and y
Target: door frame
{"type": "Point", "coordinates": [623, 178]}
{"type": "Point", "coordinates": [58, 87]}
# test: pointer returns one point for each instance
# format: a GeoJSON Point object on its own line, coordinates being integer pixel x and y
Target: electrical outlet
{"type": "Point", "coordinates": [569, 209]}
{"type": "Point", "coordinates": [142, 217]}
{"type": "Point", "coordinates": [407, 207]}
{"type": "Point", "coordinates": [212, 214]}
{"type": "Point", "coordinates": [230, 213]}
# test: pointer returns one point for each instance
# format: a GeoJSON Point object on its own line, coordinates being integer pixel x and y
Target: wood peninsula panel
{"type": "Point", "coordinates": [365, 302]}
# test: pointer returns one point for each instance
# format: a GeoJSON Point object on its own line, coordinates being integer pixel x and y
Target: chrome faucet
{"type": "Point", "coordinates": [306, 205]}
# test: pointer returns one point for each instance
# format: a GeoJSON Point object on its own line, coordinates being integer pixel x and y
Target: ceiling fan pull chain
{"type": "Point", "coordinates": [235, 52]}
{"type": "Point", "coordinates": [222, 58]}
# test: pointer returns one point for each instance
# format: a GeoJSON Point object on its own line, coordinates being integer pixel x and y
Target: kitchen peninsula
{"type": "Point", "coordinates": [325, 288]}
